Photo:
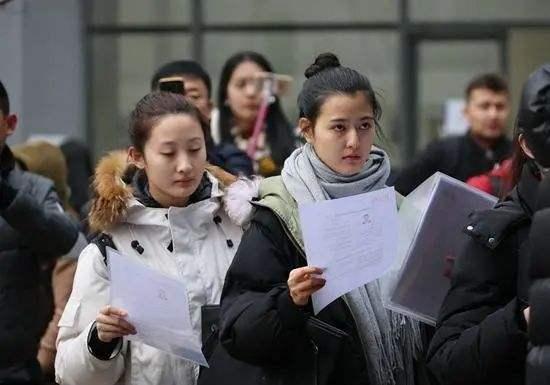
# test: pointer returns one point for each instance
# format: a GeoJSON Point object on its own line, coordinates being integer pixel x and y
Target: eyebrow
{"type": "Point", "coordinates": [338, 120]}
{"type": "Point", "coordinates": [173, 142]}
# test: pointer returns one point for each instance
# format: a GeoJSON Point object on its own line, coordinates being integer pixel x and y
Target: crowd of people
{"type": "Point", "coordinates": [207, 193]}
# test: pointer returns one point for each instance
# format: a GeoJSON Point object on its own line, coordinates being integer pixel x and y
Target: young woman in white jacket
{"type": "Point", "coordinates": [169, 214]}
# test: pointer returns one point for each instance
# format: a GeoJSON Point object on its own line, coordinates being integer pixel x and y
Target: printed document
{"type": "Point", "coordinates": [157, 306]}
{"type": "Point", "coordinates": [354, 239]}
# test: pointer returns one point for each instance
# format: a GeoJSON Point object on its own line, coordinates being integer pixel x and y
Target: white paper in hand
{"type": "Point", "coordinates": [156, 305]}
{"type": "Point", "coordinates": [354, 239]}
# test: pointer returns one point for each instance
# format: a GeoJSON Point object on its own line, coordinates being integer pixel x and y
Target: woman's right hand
{"type": "Point", "coordinates": [303, 282]}
{"type": "Point", "coordinates": [111, 324]}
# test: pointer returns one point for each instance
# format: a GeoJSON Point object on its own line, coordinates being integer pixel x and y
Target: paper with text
{"type": "Point", "coordinates": [157, 306]}
{"type": "Point", "coordinates": [354, 239]}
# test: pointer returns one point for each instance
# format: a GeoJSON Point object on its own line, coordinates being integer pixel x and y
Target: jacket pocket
{"type": "Point", "coordinates": [70, 313]}
{"type": "Point", "coordinates": [327, 345]}
{"type": "Point", "coordinates": [210, 318]}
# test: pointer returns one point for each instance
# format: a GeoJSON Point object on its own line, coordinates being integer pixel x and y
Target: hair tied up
{"type": "Point", "coordinates": [323, 62]}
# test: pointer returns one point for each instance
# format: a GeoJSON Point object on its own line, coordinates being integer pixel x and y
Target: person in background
{"type": "Point", "coordinates": [238, 102]}
{"type": "Point", "coordinates": [47, 160]}
{"type": "Point", "coordinates": [34, 229]}
{"type": "Point", "coordinates": [198, 89]}
{"type": "Point", "coordinates": [481, 335]}
{"type": "Point", "coordinates": [474, 153]}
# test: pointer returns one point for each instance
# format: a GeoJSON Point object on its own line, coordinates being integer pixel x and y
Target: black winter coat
{"type": "Point", "coordinates": [33, 229]}
{"type": "Point", "coordinates": [457, 156]}
{"type": "Point", "coordinates": [481, 333]}
{"type": "Point", "coordinates": [261, 325]}
{"type": "Point", "coordinates": [538, 359]}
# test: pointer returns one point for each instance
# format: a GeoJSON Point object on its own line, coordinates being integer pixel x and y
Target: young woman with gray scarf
{"type": "Point", "coordinates": [267, 317]}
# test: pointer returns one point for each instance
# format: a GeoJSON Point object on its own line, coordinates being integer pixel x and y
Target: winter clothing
{"type": "Point", "coordinates": [46, 159]}
{"type": "Point", "coordinates": [262, 326]}
{"type": "Point", "coordinates": [231, 159]}
{"type": "Point", "coordinates": [309, 180]}
{"type": "Point", "coordinates": [61, 284]}
{"type": "Point", "coordinates": [193, 244]}
{"type": "Point", "coordinates": [481, 333]}
{"type": "Point", "coordinates": [260, 322]}
{"type": "Point", "coordinates": [457, 156]}
{"type": "Point", "coordinates": [34, 229]}
{"type": "Point", "coordinates": [533, 119]}
{"type": "Point", "coordinates": [538, 358]}
{"type": "Point", "coordinates": [495, 182]}
{"type": "Point", "coordinates": [273, 147]}
{"type": "Point", "coordinates": [80, 170]}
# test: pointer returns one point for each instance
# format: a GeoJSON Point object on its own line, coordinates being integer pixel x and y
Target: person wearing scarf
{"type": "Point", "coordinates": [266, 316]}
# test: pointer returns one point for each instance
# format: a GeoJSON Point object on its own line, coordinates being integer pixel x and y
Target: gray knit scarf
{"type": "Point", "coordinates": [390, 340]}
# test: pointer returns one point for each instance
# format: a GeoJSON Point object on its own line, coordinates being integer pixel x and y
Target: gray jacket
{"type": "Point", "coordinates": [33, 229]}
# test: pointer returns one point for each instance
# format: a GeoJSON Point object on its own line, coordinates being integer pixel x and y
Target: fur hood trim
{"type": "Point", "coordinates": [238, 199]}
{"type": "Point", "coordinates": [112, 193]}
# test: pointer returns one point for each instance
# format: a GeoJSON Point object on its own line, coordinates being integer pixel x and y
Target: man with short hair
{"type": "Point", "coordinates": [33, 229]}
{"type": "Point", "coordinates": [198, 89]}
{"type": "Point", "coordinates": [476, 152]}
{"type": "Point", "coordinates": [198, 86]}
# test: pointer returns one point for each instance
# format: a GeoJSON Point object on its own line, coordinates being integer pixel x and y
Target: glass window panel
{"type": "Point", "coordinates": [141, 11]}
{"type": "Point", "coordinates": [270, 11]}
{"type": "Point", "coordinates": [121, 71]}
{"type": "Point", "coordinates": [471, 10]}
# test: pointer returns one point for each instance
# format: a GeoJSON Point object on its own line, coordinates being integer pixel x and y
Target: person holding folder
{"type": "Point", "coordinates": [164, 209]}
{"type": "Point", "coordinates": [267, 316]}
{"type": "Point", "coordinates": [481, 335]}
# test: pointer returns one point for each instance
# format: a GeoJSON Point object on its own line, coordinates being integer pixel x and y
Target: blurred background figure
{"type": "Point", "coordinates": [34, 232]}
{"type": "Point", "coordinates": [479, 150]}
{"type": "Point", "coordinates": [57, 276]}
{"type": "Point", "coordinates": [239, 100]}
{"type": "Point", "coordinates": [197, 87]}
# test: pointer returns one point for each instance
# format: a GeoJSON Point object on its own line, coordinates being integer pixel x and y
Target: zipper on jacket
{"type": "Point", "coordinates": [315, 362]}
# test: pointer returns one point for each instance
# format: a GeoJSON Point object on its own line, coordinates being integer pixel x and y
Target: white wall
{"type": "Point", "coordinates": [42, 65]}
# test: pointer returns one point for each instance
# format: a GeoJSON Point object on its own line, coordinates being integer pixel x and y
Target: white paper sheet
{"type": "Point", "coordinates": [354, 239]}
{"type": "Point", "coordinates": [156, 305]}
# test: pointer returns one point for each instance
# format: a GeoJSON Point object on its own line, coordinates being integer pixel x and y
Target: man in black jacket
{"type": "Point", "coordinates": [33, 228]}
{"type": "Point", "coordinates": [476, 152]}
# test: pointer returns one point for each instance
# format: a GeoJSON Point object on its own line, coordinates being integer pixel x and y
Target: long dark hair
{"type": "Point", "coordinates": [279, 133]}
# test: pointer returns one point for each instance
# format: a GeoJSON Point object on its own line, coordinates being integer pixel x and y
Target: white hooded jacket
{"type": "Point", "coordinates": [202, 250]}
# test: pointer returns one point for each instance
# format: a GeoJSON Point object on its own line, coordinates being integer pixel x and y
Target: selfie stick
{"type": "Point", "coordinates": [268, 92]}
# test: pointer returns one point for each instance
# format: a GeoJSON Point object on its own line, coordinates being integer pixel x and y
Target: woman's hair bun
{"type": "Point", "coordinates": [322, 62]}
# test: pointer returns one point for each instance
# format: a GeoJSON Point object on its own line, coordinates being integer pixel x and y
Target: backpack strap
{"type": "Point", "coordinates": [102, 241]}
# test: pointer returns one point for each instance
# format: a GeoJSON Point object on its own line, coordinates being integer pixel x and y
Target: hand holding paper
{"type": "Point", "coordinates": [156, 305]}
{"type": "Point", "coordinates": [353, 239]}
{"type": "Point", "coordinates": [111, 324]}
{"type": "Point", "coordinates": [303, 282]}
